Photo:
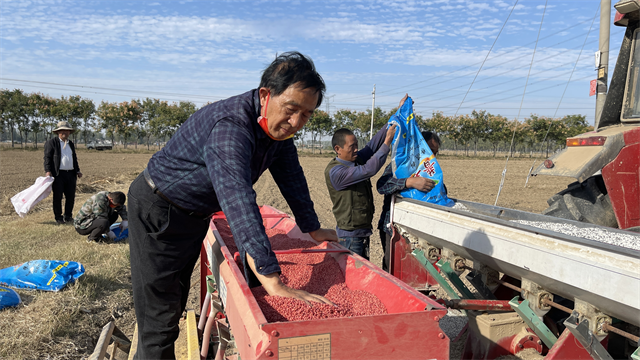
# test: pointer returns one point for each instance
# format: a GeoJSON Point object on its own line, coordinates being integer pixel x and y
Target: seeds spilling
{"type": "Point", "coordinates": [316, 273]}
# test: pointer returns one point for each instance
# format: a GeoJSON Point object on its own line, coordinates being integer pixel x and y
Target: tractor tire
{"type": "Point", "coordinates": [587, 202]}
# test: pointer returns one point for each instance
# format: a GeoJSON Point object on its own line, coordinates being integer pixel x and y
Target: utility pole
{"type": "Point", "coordinates": [373, 108]}
{"type": "Point", "coordinates": [603, 66]}
{"type": "Point", "coordinates": [329, 98]}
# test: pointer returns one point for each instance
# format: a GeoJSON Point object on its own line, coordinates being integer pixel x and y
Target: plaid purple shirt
{"type": "Point", "coordinates": [212, 162]}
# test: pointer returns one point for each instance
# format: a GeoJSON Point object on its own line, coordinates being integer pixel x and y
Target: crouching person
{"type": "Point", "coordinates": [99, 212]}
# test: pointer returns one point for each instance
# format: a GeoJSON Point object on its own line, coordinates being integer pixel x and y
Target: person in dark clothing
{"type": "Point", "coordinates": [388, 185]}
{"type": "Point", "coordinates": [60, 161]}
{"type": "Point", "coordinates": [210, 164]}
{"type": "Point", "coordinates": [347, 177]}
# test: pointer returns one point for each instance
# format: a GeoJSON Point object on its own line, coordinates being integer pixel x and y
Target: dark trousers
{"type": "Point", "coordinates": [99, 226]}
{"type": "Point", "coordinates": [164, 245]}
{"type": "Point", "coordinates": [386, 248]}
{"type": "Point", "coordinates": [359, 245]}
{"type": "Point", "coordinates": [64, 184]}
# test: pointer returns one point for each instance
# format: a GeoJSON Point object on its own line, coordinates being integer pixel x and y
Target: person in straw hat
{"type": "Point", "coordinates": [60, 161]}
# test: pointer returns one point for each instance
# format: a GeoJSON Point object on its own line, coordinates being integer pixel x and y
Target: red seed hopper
{"type": "Point", "coordinates": [411, 320]}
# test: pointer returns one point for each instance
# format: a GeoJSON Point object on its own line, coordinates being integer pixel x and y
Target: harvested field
{"type": "Point", "coordinates": [66, 325]}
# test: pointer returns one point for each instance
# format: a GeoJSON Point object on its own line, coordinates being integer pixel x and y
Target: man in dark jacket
{"type": "Point", "coordinates": [60, 161]}
{"type": "Point", "coordinates": [211, 164]}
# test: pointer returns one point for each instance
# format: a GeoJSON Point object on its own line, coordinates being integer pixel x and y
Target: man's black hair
{"type": "Point", "coordinates": [428, 135]}
{"type": "Point", "coordinates": [290, 68]}
{"type": "Point", "coordinates": [339, 137]}
{"type": "Point", "coordinates": [118, 197]}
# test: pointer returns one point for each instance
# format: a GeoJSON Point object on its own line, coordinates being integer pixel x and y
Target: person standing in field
{"type": "Point", "coordinates": [98, 213]}
{"type": "Point", "coordinates": [388, 185]}
{"type": "Point", "coordinates": [347, 177]}
{"type": "Point", "coordinates": [60, 161]}
{"type": "Point", "coordinates": [210, 164]}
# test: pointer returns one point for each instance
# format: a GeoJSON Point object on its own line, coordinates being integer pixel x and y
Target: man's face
{"type": "Point", "coordinates": [64, 134]}
{"type": "Point", "coordinates": [289, 111]}
{"type": "Point", "coordinates": [433, 145]}
{"type": "Point", "coordinates": [349, 152]}
{"type": "Point", "coordinates": [112, 204]}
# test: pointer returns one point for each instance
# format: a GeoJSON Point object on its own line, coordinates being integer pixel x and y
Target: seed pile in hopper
{"type": "Point", "coordinates": [629, 240]}
{"type": "Point", "coordinates": [316, 273]}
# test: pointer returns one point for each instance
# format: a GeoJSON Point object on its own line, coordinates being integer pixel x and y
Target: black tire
{"type": "Point", "coordinates": [587, 202]}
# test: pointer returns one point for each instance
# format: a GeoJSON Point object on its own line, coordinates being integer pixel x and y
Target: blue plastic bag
{"type": "Point", "coordinates": [119, 235]}
{"type": "Point", "coordinates": [49, 275]}
{"type": "Point", "coordinates": [8, 297]}
{"type": "Point", "coordinates": [412, 157]}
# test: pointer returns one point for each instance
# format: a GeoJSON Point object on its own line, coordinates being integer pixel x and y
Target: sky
{"type": "Point", "coordinates": [512, 58]}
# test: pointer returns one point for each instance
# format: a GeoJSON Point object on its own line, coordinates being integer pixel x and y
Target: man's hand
{"type": "Point", "coordinates": [79, 174]}
{"type": "Point", "coordinates": [123, 225]}
{"type": "Point", "coordinates": [420, 183]}
{"type": "Point", "coordinates": [274, 286]}
{"type": "Point", "coordinates": [403, 100]}
{"type": "Point", "coordinates": [111, 235]}
{"type": "Point", "coordinates": [321, 235]}
{"type": "Point", "coordinates": [391, 132]}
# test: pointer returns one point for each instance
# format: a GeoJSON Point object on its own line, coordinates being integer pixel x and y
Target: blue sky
{"type": "Point", "coordinates": [209, 50]}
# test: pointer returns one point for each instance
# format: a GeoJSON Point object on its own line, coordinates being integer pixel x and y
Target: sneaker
{"type": "Point", "coordinates": [68, 220]}
{"type": "Point", "coordinates": [60, 222]}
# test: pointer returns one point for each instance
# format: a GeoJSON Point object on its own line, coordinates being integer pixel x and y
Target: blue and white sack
{"type": "Point", "coordinates": [49, 275]}
{"type": "Point", "coordinates": [8, 298]}
{"type": "Point", "coordinates": [412, 157]}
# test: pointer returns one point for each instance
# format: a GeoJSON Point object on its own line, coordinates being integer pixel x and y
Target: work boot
{"type": "Point", "coordinates": [68, 220]}
{"type": "Point", "coordinates": [60, 221]}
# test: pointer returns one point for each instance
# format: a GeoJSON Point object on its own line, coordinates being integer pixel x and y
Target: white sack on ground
{"type": "Point", "coordinates": [25, 200]}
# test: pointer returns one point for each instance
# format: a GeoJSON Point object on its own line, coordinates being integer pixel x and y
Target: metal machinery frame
{"type": "Point", "coordinates": [411, 315]}
{"type": "Point", "coordinates": [541, 262]}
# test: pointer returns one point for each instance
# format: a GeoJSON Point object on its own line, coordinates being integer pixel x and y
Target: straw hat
{"type": "Point", "coordinates": [63, 125]}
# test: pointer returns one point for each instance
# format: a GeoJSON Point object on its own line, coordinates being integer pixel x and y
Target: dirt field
{"type": "Point", "coordinates": [67, 324]}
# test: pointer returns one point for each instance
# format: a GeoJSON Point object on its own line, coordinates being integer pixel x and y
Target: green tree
{"type": "Point", "coordinates": [159, 124]}
{"type": "Point", "coordinates": [466, 129]}
{"type": "Point", "coordinates": [128, 115]}
{"type": "Point", "coordinates": [344, 118]}
{"type": "Point", "coordinates": [21, 112]}
{"type": "Point", "coordinates": [319, 124]}
{"type": "Point", "coordinates": [86, 111]}
{"type": "Point", "coordinates": [108, 114]}
{"type": "Point", "coordinates": [479, 128]}
{"type": "Point", "coordinates": [150, 116]}
{"type": "Point", "coordinates": [576, 124]}
{"type": "Point", "coordinates": [497, 131]}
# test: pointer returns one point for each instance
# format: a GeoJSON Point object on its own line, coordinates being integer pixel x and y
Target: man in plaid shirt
{"type": "Point", "coordinates": [99, 212]}
{"type": "Point", "coordinates": [388, 185]}
{"type": "Point", "coordinates": [210, 164]}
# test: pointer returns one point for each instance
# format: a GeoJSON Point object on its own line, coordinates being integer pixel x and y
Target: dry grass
{"type": "Point", "coordinates": [64, 324]}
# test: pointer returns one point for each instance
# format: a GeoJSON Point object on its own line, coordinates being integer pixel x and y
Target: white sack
{"type": "Point", "coordinates": [25, 200]}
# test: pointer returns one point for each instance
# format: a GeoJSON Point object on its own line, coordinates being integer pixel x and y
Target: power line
{"type": "Point", "coordinates": [112, 89]}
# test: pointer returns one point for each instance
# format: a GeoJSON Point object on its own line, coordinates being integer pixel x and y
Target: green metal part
{"type": "Point", "coordinates": [533, 321]}
{"type": "Point", "coordinates": [455, 280]}
{"type": "Point", "coordinates": [435, 274]}
{"type": "Point", "coordinates": [211, 284]}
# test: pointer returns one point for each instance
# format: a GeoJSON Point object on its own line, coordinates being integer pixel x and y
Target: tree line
{"type": "Point", "coordinates": [136, 120]}
{"type": "Point", "coordinates": [139, 121]}
{"type": "Point", "coordinates": [465, 132]}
